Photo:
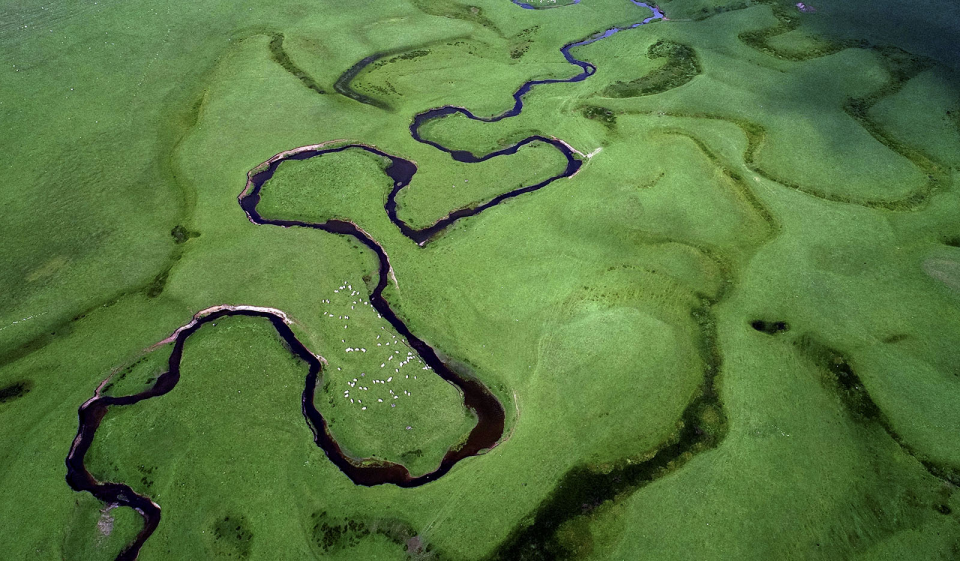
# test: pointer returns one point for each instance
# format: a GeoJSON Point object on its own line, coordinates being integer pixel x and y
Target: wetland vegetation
{"type": "Point", "coordinates": [486, 279]}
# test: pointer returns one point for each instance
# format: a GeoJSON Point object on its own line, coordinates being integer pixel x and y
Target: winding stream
{"type": "Point", "coordinates": [586, 70]}
{"type": "Point", "coordinates": [477, 397]}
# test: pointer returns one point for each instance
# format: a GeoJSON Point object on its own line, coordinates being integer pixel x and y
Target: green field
{"type": "Point", "coordinates": [734, 333]}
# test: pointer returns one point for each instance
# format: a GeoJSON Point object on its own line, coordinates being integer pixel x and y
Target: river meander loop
{"type": "Point", "coordinates": [477, 397]}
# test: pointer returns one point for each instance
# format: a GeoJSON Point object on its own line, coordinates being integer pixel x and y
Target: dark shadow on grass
{"type": "Point", "coordinates": [902, 66]}
{"type": "Point", "coordinates": [838, 375]}
{"type": "Point", "coordinates": [930, 30]}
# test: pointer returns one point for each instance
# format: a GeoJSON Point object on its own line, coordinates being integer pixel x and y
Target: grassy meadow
{"type": "Point", "coordinates": [733, 334]}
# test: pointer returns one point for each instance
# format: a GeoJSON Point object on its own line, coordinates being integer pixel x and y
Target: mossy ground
{"type": "Point", "coordinates": [614, 314]}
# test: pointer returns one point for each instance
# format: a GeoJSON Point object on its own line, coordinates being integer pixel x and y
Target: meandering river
{"type": "Point", "coordinates": [477, 397]}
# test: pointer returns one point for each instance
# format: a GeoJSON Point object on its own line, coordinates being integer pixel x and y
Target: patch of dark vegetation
{"type": "Point", "coordinates": [181, 234]}
{"type": "Point", "coordinates": [896, 338]}
{"type": "Point", "coordinates": [788, 20]}
{"type": "Point", "coordinates": [192, 117]}
{"type": "Point", "coordinates": [681, 66]}
{"type": "Point", "coordinates": [954, 117]}
{"type": "Point", "coordinates": [770, 327]}
{"type": "Point", "coordinates": [42, 340]}
{"type": "Point", "coordinates": [643, 186]}
{"type": "Point", "coordinates": [280, 56]}
{"type": "Point", "coordinates": [952, 241]}
{"type": "Point", "coordinates": [707, 12]}
{"type": "Point", "coordinates": [839, 376]}
{"type": "Point", "coordinates": [15, 390]}
{"type": "Point", "coordinates": [397, 532]}
{"type": "Point", "coordinates": [520, 43]}
{"type": "Point", "coordinates": [342, 85]}
{"type": "Point", "coordinates": [559, 529]}
{"type": "Point", "coordinates": [546, 5]}
{"type": "Point", "coordinates": [454, 10]}
{"type": "Point", "coordinates": [108, 387]}
{"type": "Point", "coordinates": [411, 455]}
{"type": "Point", "coordinates": [526, 34]}
{"type": "Point", "coordinates": [941, 503]}
{"type": "Point", "coordinates": [146, 478]}
{"type": "Point", "coordinates": [155, 288]}
{"type": "Point", "coordinates": [472, 48]}
{"type": "Point", "coordinates": [601, 114]}
{"type": "Point", "coordinates": [409, 55]}
{"type": "Point", "coordinates": [519, 50]}
{"type": "Point", "coordinates": [386, 90]}
{"type": "Point", "coordinates": [331, 534]}
{"type": "Point", "coordinates": [232, 537]}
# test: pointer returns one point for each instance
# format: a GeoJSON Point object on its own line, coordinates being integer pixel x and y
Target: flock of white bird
{"type": "Point", "coordinates": [380, 347]}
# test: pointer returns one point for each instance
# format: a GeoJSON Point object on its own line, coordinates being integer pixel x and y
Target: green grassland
{"type": "Point", "coordinates": [428, 199]}
{"type": "Point", "coordinates": [757, 266]}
